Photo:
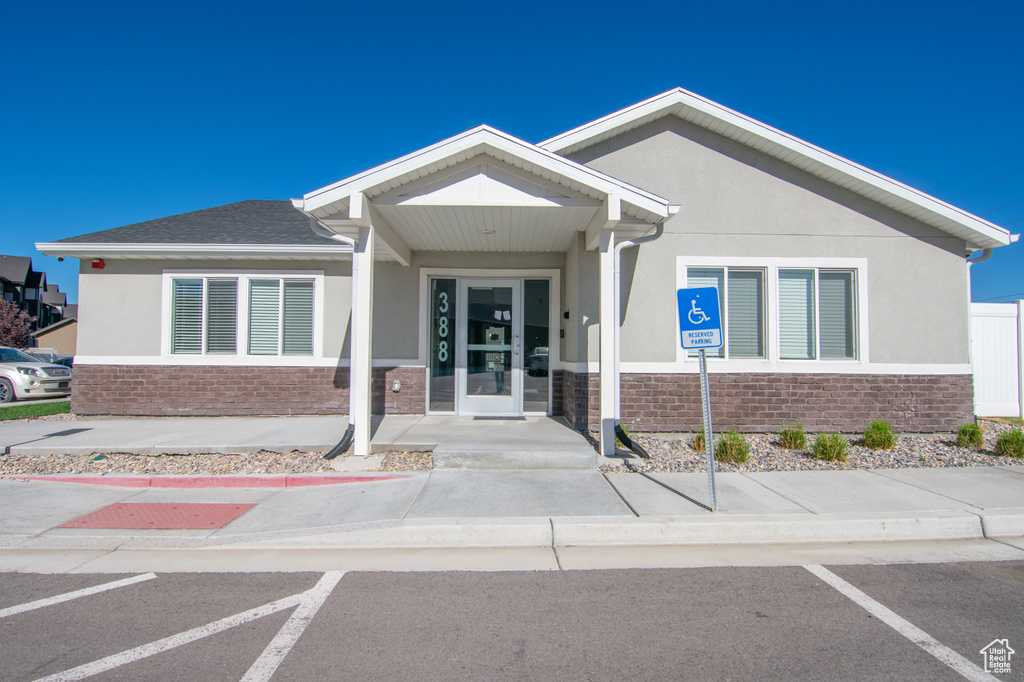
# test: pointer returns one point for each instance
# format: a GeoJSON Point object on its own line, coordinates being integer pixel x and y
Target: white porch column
{"type": "Point", "coordinates": [609, 393]}
{"type": "Point", "coordinates": [361, 338]}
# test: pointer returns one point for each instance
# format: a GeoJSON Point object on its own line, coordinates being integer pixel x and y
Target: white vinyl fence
{"type": "Point", "coordinates": [997, 353]}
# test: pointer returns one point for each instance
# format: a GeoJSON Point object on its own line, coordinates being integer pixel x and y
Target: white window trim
{"type": "Point", "coordinates": [241, 356]}
{"type": "Point", "coordinates": [771, 266]}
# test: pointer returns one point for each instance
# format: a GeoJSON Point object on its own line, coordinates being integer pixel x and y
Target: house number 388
{"type": "Point", "coordinates": [442, 327]}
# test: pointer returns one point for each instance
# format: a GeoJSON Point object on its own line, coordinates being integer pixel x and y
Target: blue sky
{"type": "Point", "coordinates": [114, 113]}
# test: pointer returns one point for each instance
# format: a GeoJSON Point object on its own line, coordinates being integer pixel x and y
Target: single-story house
{"type": "Point", "coordinates": [489, 276]}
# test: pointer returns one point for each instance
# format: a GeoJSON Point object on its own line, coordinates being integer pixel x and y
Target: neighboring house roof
{"type": "Point", "coordinates": [976, 232]}
{"type": "Point", "coordinates": [71, 311]}
{"type": "Point", "coordinates": [252, 228]}
{"type": "Point", "coordinates": [35, 280]}
{"type": "Point", "coordinates": [15, 269]}
{"type": "Point", "coordinates": [55, 326]}
{"type": "Point", "coordinates": [54, 296]}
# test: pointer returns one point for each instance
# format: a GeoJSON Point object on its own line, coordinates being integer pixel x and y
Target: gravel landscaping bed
{"type": "Point", "coordinates": [669, 453]}
{"type": "Point", "coordinates": [207, 465]}
{"type": "Point", "coordinates": [674, 453]}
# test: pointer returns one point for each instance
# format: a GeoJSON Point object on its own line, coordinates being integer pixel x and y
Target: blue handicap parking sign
{"type": "Point", "coordinates": [700, 323]}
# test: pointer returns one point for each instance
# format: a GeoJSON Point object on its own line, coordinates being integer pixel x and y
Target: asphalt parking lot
{"type": "Point", "coordinates": [707, 623]}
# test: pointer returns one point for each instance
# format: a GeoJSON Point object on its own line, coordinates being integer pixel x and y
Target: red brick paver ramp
{"type": "Point", "coordinates": [161, 516]}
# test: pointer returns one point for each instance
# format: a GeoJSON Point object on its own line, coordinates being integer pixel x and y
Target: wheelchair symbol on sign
{"type": "Point", "coordinates": [696, 315]}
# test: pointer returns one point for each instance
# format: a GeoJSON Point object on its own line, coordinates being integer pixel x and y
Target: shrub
{"type": "Point", "coordinates": [698, 442]}
{"type": "Point", "coordinates": [732, 448]}
{"type": "Point", "coordinates": [793, 437]}
{"type": "Point", "coordinates": [829, 447]}
{"type": "Point", "coordinates": [879, 436]}
{"type": "Point", "coordinates": [1010, 444]}
{"type": "Point", "coordinates": [15, 325]}
{"type": "Point", "coordinates": [969, 436]}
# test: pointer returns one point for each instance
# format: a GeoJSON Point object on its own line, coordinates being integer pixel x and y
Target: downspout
{"type": "Point", "coordinates": [985, 255]}
{"type": "Point", "coordinates": [659, 229]}
{"type": "Point", "coordinates": [323, 231]}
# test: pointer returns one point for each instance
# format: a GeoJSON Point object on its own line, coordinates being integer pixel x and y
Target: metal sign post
{"type": "Point", "coordinates": [700, 327]}
{"type": "Point", "coordinates": [709, 438]}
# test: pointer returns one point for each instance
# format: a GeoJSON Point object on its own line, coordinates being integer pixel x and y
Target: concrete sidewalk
{"type": "Point", "coordinates": [194, 435]}
{"type": "Point", "coordinates": [554, 514]}
{"type": "Point", "coordinates": [457, 442]}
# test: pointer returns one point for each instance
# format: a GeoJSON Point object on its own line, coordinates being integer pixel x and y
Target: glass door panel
{"type": "Point", "coordinates": [443, 335]}
{"type": "Point", "coordinates": [491, 378]}
{"type": "Point", "coordinates": [536, 342]}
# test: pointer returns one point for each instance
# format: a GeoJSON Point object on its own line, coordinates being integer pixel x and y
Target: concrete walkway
{"type": "Point", "coordinates": [585, 518]}
{"type": "Point", "coordinates": [457, 442]}
{"type": "Point", "coordinates": [545, 516]}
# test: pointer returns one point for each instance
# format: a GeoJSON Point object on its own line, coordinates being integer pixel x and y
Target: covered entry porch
{"type": "Point", "coordinates": [486, 195]}
{"type": "Point", "coordinates": [459, 442]}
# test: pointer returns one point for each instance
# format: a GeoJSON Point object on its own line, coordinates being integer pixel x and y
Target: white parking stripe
{"type": "Point", "coordinates": [159, 646]}
{"type": "Point", "coordinates": [68, 596]}
{"type": "Point", "coordinates": [915, 634]}
{"type": "Point", "coordinates": [271, 658]}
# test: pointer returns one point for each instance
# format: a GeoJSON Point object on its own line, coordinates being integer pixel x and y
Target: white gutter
{"type": "Point", "coordinates": [985, 255]}
{"type": "Point", "coordinates": [121, 250]}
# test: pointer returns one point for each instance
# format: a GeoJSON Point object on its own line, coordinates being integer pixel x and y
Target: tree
{"type": "Point", "coordinates": [15, 326]}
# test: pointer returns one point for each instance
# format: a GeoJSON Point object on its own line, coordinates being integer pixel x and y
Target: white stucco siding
{"type": "Point", "coordinates": [737, 202]}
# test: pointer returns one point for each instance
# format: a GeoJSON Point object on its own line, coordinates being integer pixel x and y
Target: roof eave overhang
{"type": "Point", "coordinates": [976, 232]}
{"type": "Point", "coordinates": [333, 200]}
{"type": "Point", "coordinates": [195, 251]}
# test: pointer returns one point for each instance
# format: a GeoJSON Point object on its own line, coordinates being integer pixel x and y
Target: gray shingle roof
{"type": "Point", "coordinates": [15, 269]}
{"type": "Point", "coordinates": [245, 222]}
{"type": "Point", "coordinates": [54, 296]}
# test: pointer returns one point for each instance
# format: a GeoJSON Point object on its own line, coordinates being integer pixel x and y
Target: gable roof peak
{"type": "Point", "coordinates": [976, 232]}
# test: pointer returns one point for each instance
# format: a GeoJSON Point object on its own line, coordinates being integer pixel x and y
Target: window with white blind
{"type": "Point", "coordinates": [817, 314]}
{"type": "Point", "coordinates": [741, 299]}
{"type": "Point", "coordinates": [242, 315]}
{"type": "Point", "coordinates": [784, 309]}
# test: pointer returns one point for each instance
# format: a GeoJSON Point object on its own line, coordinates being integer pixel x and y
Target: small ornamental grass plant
{"type": "Point", "coordinates": [793, 437]}
{"type": "Point", "coordinates": [879, 436]}
{"type": "Point", "coordinates": [1010, 444]}
{"type": "Point", "coordinates": [969, 436]}
{"type": "Point", "coordinates": [830, 447]}
{"type": "Point", "coordinates": [697, 443]}
{"type": "Point", "coordinates": [732, 448]}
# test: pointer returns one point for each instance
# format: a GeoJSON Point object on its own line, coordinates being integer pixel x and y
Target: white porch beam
{"type": "Point", "coordinates": [609, 380]}
{"type": "Point", "coordinates": [361, 366]}
{"type": "Point", "coordinates": [606, 218]}
{"type": "Point", "coordinates": [362, 214]}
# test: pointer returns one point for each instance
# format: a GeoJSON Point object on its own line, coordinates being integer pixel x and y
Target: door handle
{"type": "Point", "coordinates": [515, 345]}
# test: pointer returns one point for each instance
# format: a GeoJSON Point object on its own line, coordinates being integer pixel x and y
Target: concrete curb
{"type": "Point", "coordinates": [449, 533]}
{"type": "Point", "coordinates": [1003, 523]}
{"type": "Point", "coordinates": [768, 529]}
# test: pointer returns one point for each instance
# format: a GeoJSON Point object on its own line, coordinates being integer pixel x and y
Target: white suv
{"type": "Point", "coordinates": [23, 376]}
